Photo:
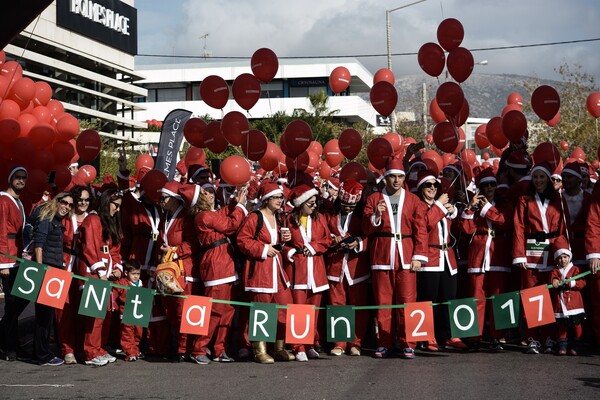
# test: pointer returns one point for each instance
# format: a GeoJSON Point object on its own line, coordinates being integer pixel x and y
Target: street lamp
{"type": "Point", "coordinates": [389, 48]}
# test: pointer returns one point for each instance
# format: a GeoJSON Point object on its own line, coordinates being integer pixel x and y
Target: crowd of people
{"type": "Point", "coordinates": [412, 234]}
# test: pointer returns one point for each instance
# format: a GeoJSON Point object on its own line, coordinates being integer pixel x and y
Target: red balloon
{"type": "Point", "coordinates": [89, 145]}
{"type": "Point", "coordinates": [468, 155]}
{"type": "Point", "coordinates": [429, 138]}
{"type": "Point", "coordinates": [44, 160]}
{"type": "Point", "coordinates": [9, 130]}
{"type": "Point", "coordinates": [152, 183]}
{"type": "Point", "coordinates": [325, 171]}
{"type": "Point", "coordinates": [26, 122]}
{"type": "Point", "coordinates": [21, 151]}
{"type": "Point", "coordinates": [22, 91]}
{"type": "Point", "coordinates": [270, 159]}
{"type": "Point", "coordinates": [445, 137]}
{"type": "Point", "coordinates": [144, 161]}
{"type": "Point", "coordinates": [281, 166]}
{"type": "Point", "coordinates": [43, 93]}
{"type": "Point", "coordinates": [450, 33]}
{"type": "Point", "coordinates": [333, 153]}
{"type": "Point", "coordinates": [462, 116]}
{"type": "Point", "coordinates": [62, 177]}
{"type": "Point", "coordinates": [235, 170]}
{"type": "Point", "coordinates": [481, 139]}
{"type": "Point", "coordinates": [546, 152]}
{"type": "Point", "coordinates": [350, 143]}
{"type": "Point", "coordinates": [214, 139]}
{"type": "Point", "coordinates": [193, 130]}
{"type": "Point", "coordinates": [554, 121]}
{"type": "Point", "coordinates": [255, 145]}
{"type": "Point", "coordinates": [545, 101]}
{"type": "Point", "coordinates": [564, 145]}
{"type": "Point", "coordinates": [339, 79]}
{"type": "Point", "coordinates": [514, 125]}
{"type": "Point", "coordinates": [235, 127]}
{"type": "Point", "coordinates": [485, 156]}
{"type": "Point", "coordinates": [462, 139]}
{"type": "Point", "coordinates": [12, 70]}
{"type": "Point", "coordinates": [592, 104]}
{"type": "Point", "coordinates": [214, 91]}
{"type": "Point", "coordinates": [297, 136]}
{"type": "Point", "coordinates": [194, 156]}
{"type": "Point", "coordinates": [460, 64]}
{"type": "Point", "coordinates": [578, 153]}
{"type": "Point", "coordinates": [37, 181]}
{"type": "Point", "coordinates": [384, 74]}
{"type": "Point", "coordinates": [246, 90]}
{"type": "Point", "coordinates": [2, 57]}
{"type": "Point", "coordinates": [353, 170]}
{"type": "Point", "coordinates": [42, 135]}
{"type": "Point", "coordinates": [264, 64]}
{"type": "Point", "coordinates": [379, 151]}
{"type": "Point", "coordinates": [395, 140]}
{"type": "Point", "coordinates": [9, 109]}
{"type": "Point", "coordinates": [384, 98]}
{"type": "Point", "coordinates": [435, 112]}
{"type": "Point", "coordinates": [299, 163]}
{"type": "Point", "coordinates": [316, 148]}
{"type": "Point", "coordinates": [63, 152]}
{"type": "Point", "coordinates": [435, 157]}
{"type": "Point", "coordinates": [55, 107]}
{"type": "Point", "coordinates": [42, 114]}
{"type": "Point", "coordinates": [87, 173]}
{"type": "Point", "coordinates": [495, 134]}
{"type": "Point", "coordinates": [67, 127]}
{"type": "Point", "coordinates": [515, 98]}
{"type": "Point", "coordinates": [511, 107]}
{"type": "Point", "coordinates": [431, 58]}
{"type": "Point", "coordinates": [450, 98]}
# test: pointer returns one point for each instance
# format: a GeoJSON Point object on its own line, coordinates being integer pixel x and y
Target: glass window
{"type": "Point", "coordinates": [170, 94]}
{"type": "Point", "coordinates": [299, 92]}
{"type": "Point", "coordinates": [272, 90]}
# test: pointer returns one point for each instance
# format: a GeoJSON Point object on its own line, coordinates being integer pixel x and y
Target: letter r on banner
{"type": "Point", "coordinates": [55, 288]}
{"type": "Point", "coordinates": [28, 280]}
{"type": "Point", "coordinates": [300, 324]}
{"type": "Point", "coordinates": [263, 322]}
{"type": "Point", "coordinates": [418, 320]}
{"type": "Point", "coordinates": [537, 306]}
{"type": "Point", "coordinates": [195, 317]}
{"type": "Point", "coordinates": [340, 324]}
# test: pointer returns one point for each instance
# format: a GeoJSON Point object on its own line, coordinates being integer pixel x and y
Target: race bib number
{"type": "Point", "coordinates": [537, 253]}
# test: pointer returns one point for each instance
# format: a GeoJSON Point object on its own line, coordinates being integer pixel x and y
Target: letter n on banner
{"type": "Point", "coordinates": [195, 316]}
{"type": "Point", "coordinates": [340, 324]}
{"type": "Point", "coordinates": [94, 300]}
{"type": "Point", "coordinates": [263, 322]}
{"type": "Point", "coordinates": [138, 306]}
{"type": "Point", "coordinates": [507, 310]}
{"type": "Point", "coordinates": [28, 280]}
{"type": "Point", "coordinates": [300, 324]}
{"type": "Point", "coordinates": [418, 320]}
{"type": "Point", "coordinates": [537, 306]}
{"type": "Point", "coordinates": [55, 288]}
{"type": "Point", "coordinates": [463, 318]}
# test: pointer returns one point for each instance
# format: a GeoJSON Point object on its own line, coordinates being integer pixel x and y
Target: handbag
{"type": "Point", "coordinates": [170, 274]}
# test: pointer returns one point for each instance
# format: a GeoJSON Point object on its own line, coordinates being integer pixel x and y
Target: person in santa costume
{"type": "Point", "coordinates": [130, 335]}
{"type": "Point", "coordinates": [538, 221]}
{"type": "Point", "coordinates": [304, 252]}
{"type": "Point", "coordinates": [567, 300]}
{"type": "Point", "coordinates": [265, 280]}
{"type": "Point", "coordinates": [488, 220]}
{"type": "Point", "coordinates": [99, 257]}
{"type": "Point", "coordinates": [592, 249]}
{"type": "Point", "coordinates": [217, 266]}
{"type": "Point", "coordinates": [393, 220]}
{"type": "Point", "coordinates": [348, 262]}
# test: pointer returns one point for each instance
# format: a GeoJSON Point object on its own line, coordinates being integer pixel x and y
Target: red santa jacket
{"type": "Point", "coordinates": [352, 265]}
{"type": "Point", "coordinates": [261, 273]}
{"type": "Point", "coordinates": [11, 229]}
{"type": "Point", "coordinates": [576, 228]}
{"type": "Point", "coordinates": [388, 250]}
{"type": "Point", "coordinates": [308, 272]}
{"type": "Point", "coordinates": [440, 253]}
{"type": "Point", "coordinates": [97, 257]}
{"type": "Point", "coordinates": [534, 221]}
{"type": "Point", "coordinates": [217, 264]}
{"type": "Point", "coordinates": [592, 228]}
{"type": "Point", "coordinates": [71, 241]}
{"type": "Point", "coordinates": [491, 230]}
{"type": "Point", "coordinates": [567, 302]}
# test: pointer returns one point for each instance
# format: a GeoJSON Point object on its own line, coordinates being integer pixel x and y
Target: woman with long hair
{"type": "Point", "coordinates": [48, 249]}
{"type": "Point", "coordinates": [99, 257]}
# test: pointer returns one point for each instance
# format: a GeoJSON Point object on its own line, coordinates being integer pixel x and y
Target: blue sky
{"type": "Point", "coordinates": [352, 27]}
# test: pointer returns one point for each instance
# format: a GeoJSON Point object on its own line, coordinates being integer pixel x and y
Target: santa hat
{"type": "Point", "coordinates": [350, 192]}
{"type": "Point", "coordinates": [456, 167]}
{"type": "Point", "coordinates": [141, 174]}
{"type": "Point", "coordinates": [269, 189]}
{"type": "Point", "coordinates": [585, 169]}
{"type": "Point", "coordinates": [424, 176]}
{"type": "Point", "coordinates": [300, 194]}
{"type": "Point", "coordinates": [544, 167]}
{"type": "Point", "coordinates": [486, 175]}
{"type": "Point", "coordinates": [394, 166]}
{"type": "Point", "coordinates": [182, 168]}
{"type": "Point", "coordinates": [194, 170]}
{"type": "Point", "coordinates": [416, 162]}
{"type": "Point", "coordinates": [190, 193]}
{"type": "Point", "coordinates": [74, 165]}
{"type": "Point", "coordinates": [518, 159]}
{"type": "Point", "coordinates": [334, 183]}
{"type": "Point", "coordinates": [573, 168]}
{"type": "Point", "coordinates": [172, 189]}
{"type": "Point", "coordinates": [562, 247]}
{"type": "Point", "coordinates": [14, 171]}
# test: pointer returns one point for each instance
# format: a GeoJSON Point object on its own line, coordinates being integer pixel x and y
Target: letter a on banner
{"type": "Point", "coordinates": [195, 316]}
{"type": "Point", "coordinates": [507, 310]}
{"type": "Point", "coordinates": [537, 306]}
{"type": "Point", "coordinates": [138, 306]}
{"type": "Point", "coordinates": [55, 288]}
{"type": "Point", "coordinates": [418, 320]}
{"type": "Point", "coordinates": [300, 324]}
{"type": "Point", "coordinates": [263, 322]}
{"type": "Point", "coordinates": [340, 324]}
{"type": "Point", "coordinates": [94, 300]}
{"type": "Point", "coordinates": [463, 318]}
{"type": "Point", "coordinates": [28, 280]}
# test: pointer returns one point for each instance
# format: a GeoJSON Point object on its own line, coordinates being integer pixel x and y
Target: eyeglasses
{"type": "Point", "coordinates": [117, 205]}
{"type": "Point", "coordinates": [430, 185]}
{"type": "Point", "coordinates": [488, 184]}
{"type": "Point", "coordinates": [276, 197]}
{"type": "Point", "coordinates": [164, 198]}
{"type": "Point", "coordinates": [310, 205]}
{"type": "Point", "coordinates": [556, 180]}
{"type": "Point", "coordinates": [82, 200]}
{"type": "Point", "coordinates": [65, 203]}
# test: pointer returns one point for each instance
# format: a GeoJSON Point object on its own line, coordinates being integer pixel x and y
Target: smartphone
{"type": "Point", "coordinates": [51, 177]}
{"type": "Point", "coordinates": [420, 145]}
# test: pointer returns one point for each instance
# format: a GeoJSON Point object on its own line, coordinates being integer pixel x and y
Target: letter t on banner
{"type": "Point", "coordinates": [55, 288]}
{"type": "Point", "coordinates": [537, 306]}
{"type": "Point", "coordinates": [340, 324]}
{"type": "Point", "coordinates": [28, 280]}
{"type": "Point", "coordinates": [138, 306]}
{"type": "Point", "coordinates": [263, 322]}
{"type": "Point", "coordinates": [195, 316]}
{"type": "Point", "coordinates": [418, 323]}
{"type": "Point", "coordinates": [300, 324]}
{"type": "Point", "coordinates": [464, 321]}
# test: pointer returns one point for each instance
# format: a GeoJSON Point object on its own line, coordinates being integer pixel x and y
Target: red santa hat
{"type": "Point", "coordinates": [269, 189]}
{"type": "Point", "coordinates": [486, 175]}
{"type": "Point", "coordinates": [334, 183]}
{"type": "Point", "coordinates": [543, 167]}
{"type": "Point", "coordinates": [416, 162]}
{"type": "Point", "coordinates": [300, 194]}
{"type": "Point", "coordinates": [561, 246]}
{"type": "Point", "coordinates": [394, 166]}
{"type": "Point", "coordinates": [141, 174]}
{"type": "Point", "coordinates": [424, 176]}
{"type": "Point", "coordinates": [182, 168]}
{"type": "Point", "coordinates": [350, 192]}
{"type": "Point", "coordinates": [573, 168]}
{"type": "Point", "coordinates": [194, 170]}
{"type": "Point", "coordinates": [518, 159]}
{"type": "Point", "coordinates": [172, 189]}
{"type": "Point", "coordinates": [190, 193]}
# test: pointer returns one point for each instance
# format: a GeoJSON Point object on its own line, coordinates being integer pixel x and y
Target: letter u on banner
{"type": "Point", "coordinates": [195, 316]}
{"type": "Point", "coordinates": [28, 280]}
{"type": "Point", "coordinates": [340, 324]}
{"type": "Point", "coordinates": [463, 318]}
{"type": "Point", "coordinates": [55, 288]}
{"type": "Point", "coordinates": [263, 323]}
{"type": "Point", "coordinates": [300, 324]}
{"type": "Point", "coordinates": [537, 306]}
{"type": "Point", "coordinates": [418, 320]}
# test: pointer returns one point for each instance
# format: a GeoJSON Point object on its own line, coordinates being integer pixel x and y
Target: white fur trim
{"type": "Point", "coordinates": [543, 169]}
{"type": "Point", "coordinates": [170, 193]}
{"type": "Point", "coordinates": [271, 194]}
{"type": "Point", "coordinates": [560, 252]}
{"type": "Point", "coordinates": [298, 201]}
{"type": "Point", "coordinates": [570, 171]}
{"type": "Point", "coordinates": [394, 172]}
{"type": "Point", "coordinates": [487, 179]}
{"type": "Point", "coordinates": [427, 178]}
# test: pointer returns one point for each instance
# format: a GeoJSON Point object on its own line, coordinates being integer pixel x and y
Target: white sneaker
{"type": "Point", "coordinates": [301, 356]}
{"type": "Point", "coordinates": [312, 353]}
{"type": "Point", "coordinates": [108, 358]}
{"type": "Point", "coordinates": [97, 361]}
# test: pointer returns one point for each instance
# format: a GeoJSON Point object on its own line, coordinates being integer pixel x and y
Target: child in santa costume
{"type": "Point", "coordinates": [130, 334]}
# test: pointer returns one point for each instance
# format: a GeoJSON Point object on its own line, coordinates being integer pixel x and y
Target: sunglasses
{"type": "Point", "coordinates": [164, 198]}
{"type": "Point", "coordinates": [82, 200]}
{"type": "Point", "coordinates": [310, 205]}
{"type": "Point", "coordinates": [488, 184]}
{"type": "Point", "coordinates": [555, 180]}
{"type": "Point", "coordinates": [430, 185]}
{"type": "Point", "coordinates": [65, 203]}
{"type": "Point", "coordinates": [117, 205]}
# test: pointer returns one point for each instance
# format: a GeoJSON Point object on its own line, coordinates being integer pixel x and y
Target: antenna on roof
{"type": "Point", "coordinates": [205, 52]}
